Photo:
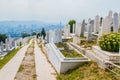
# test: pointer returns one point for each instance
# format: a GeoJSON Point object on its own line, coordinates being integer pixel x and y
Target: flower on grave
{"type": "Point", "coordinates": [110, 42]}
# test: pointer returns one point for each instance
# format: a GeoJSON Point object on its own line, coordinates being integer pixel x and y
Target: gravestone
{"type": "Point", "coordinates": [7, 44]}
{"type": "Point", "coordinates": [92, 24]}
{"type": "Point", "coordinates": [54, 36]}
{"type": "Point", "coordinates": [96, 24]}
{"type": "Point", "coordinates": [89, 35]}
{"type": "Point", "coordinates": [73, 28]}
{"type": "Point", "coordinates": [15, 44]}
{"type": "Point", "coordinates": [115, 22]}
{"type": "Point", "coordinates": [119, 20]}
{"type": "Point", "coordinates": [107, 24]}
{"type": "Point", "coordinates": [82, 29]}
{"type": "Point", "coordinates": [77, 29]}
{"type": "Point", "coordinates": [58, 35]}
{"type": "Point", "coordinates": [47, 35]}
{"type": "Point", "coordinates": [76, 40]}
{"type": "Point", "coordinates": [66, 30]}
{"type": "Point", "coordinates": [2, 47]}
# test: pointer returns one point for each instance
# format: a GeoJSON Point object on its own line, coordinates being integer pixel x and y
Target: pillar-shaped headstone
{"type": "Point", "coordinates": [7, 44]}
{"type": "Point", "coordinates": [73, 28]}
{"type": "Point", "coordinates": [110, 13]}
{"type": "Point", "coordinates": [77, 29]}
{"type": "Point", "coordinates": [115, 22]}
{"type": "Point", "coordinates": [106, 25]}
{"type": "Point", "coordinates": [76, 40]}
{"type": "Point", "coordinates": [47, 37]}
{"type": "Point", "coordinates": [15, 44]}
{"type": "Point", "coordinates": [2, 47]}
{"type": "Point", "coordinates": [119, 20]}
{"type": "Point", "coordinates": [96, 24]}
{"type": "Point", "coordinates": [89, 35]}
{"type": "Point", "coordinates": [67, 30]}
{"type": "Point", "coordinates": [82, 29]}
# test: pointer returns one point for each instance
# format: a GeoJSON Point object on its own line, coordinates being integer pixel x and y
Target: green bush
{"type": "Point", "coordinates": [110, 42]}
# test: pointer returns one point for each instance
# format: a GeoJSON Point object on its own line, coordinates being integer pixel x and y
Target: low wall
{"type": "Point", "coordinates": [82, 50]}
{"type": "Point", "coordinates": [99, 61]}
{"type": "Point", "coordinates": [93, 35]}
{"type": "Point", "coordinates": [59, 62]}
{"type": "Point", "coordinates": [44, 50]}
{"type": "Point", "coordinates": [91, 55]}
{"type": "Point", "coordinates": [109, 56]}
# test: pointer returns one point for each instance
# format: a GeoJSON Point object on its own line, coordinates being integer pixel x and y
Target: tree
{"type": "Point", "coordinates": [101, 19]}
{"type": "Point", "coordinates": [3, 37]}
{"type": "Point", "coordinates": [25, 35]}
{"type": "Point", "coordinates": [33, 33]}
{"type": "Point", "coordinates": [71, 22]}
{"type": "Point", "coordinates": [43, 33]}
{"type": "Point", "coordinates": [38, 35]}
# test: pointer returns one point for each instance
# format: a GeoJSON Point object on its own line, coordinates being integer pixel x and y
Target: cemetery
{"type": "Point", "coordinates": [83, 44]}
{"type": "Point", "coordinates": [11, 44]}
{"type": "Point", "coordinates": [58, 53]}
{"type": "Point", "coordinates": [78, 51]}
{"type": "Point", "coordinates": [104, 49]}
{"type": "Point", "coordinates": [9, 49]}
{"type": "Point", "coordinates": [93, 44]}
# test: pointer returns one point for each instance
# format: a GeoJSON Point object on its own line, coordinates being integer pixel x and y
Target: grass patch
{"type": "Point", "coordinates": [34, 76]}
{"type": "Point", "coordinates": [88, 71]}
{"type": "Point", "coordinates": [40, 45]}
{"type": "Point", "coordinates": [82, 38]}
{"type": "Point", "coordinates": [28, 41]}
{"type": "Point", "coordinates": [20, 68]}
{"type": "Point", "coordinates": [71, 53]}
{"type": "Point", "coordinates": [67, 40]}
{"type": "Point", "coordinates": [8, 57]}
{"type": "Point", "coordinates": [88, 44]}
{"type": "Point", "coordinates": [60, 45]}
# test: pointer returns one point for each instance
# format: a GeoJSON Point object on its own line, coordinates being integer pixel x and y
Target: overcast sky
{"type": "Point", "coordinates": [56, 10]}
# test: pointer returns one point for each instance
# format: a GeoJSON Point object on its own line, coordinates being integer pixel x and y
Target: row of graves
{"type": "Point", "coordinates": [11, 44]}
{"type": "Point", "coordinates": [86, 37]}
{"type": "Point", "coordinates": [60, 53]}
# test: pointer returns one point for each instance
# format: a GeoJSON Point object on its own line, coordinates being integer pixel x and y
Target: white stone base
{"type": "Point", "coordinates": [109, 56]}
{"type": "Point", "coordinates": [59, 62]}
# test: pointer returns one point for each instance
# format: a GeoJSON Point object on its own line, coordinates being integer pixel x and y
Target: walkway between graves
{"type": "Point", "coordinates": [44, 70]}
{"type": "Point", "coordinates": [9, 71]}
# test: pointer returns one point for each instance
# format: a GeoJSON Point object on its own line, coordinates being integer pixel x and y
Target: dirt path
{"type": "Point", "coordinates": [27, 69]}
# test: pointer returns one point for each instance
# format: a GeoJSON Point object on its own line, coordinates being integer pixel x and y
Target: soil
{"type": "Point", "coordinates": [27, 69]}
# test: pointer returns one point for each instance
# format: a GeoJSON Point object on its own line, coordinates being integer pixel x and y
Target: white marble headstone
{"type": "Point", "coordinates": [96, 24]}
{"type": "Point", "coordinates": [115, 22]}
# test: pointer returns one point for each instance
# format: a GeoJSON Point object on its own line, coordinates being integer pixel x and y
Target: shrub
{"type": "Point", "coordinates": [110, 42]}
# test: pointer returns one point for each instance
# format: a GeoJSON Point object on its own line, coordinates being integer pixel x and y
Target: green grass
{"type": "Point", "coordinates": [34, 76]}
{"type": "Point", "coordinates": [20, 68]}
{"type": "Point", "coordinates": [82, 38]}
{"type": "Point", "coordinates": [71, 53]}
{"type": "Point", "coordinates": [88, 44]}
{"type": "Point", "coordinates": [88, 71]}
{"type": "Point", "coordinates": [40, 46]}
{"type": "Point", "coordinates": [8, 57]}
{"type": "Point", "coordinates": [28, 41]}
{"type": "Point", "coordinates": [60, 45]}
{"type": "Point", "coordinates": [119, 30]}
{"type": "Point", "coordinates": [67, 40]}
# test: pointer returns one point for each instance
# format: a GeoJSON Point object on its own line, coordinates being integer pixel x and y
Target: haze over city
{"type": "Point", "coordinates": [55, 10]}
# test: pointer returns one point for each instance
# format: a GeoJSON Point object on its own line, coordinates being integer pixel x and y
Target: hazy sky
{"type": "Point", "coordinates": [55, 10]}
